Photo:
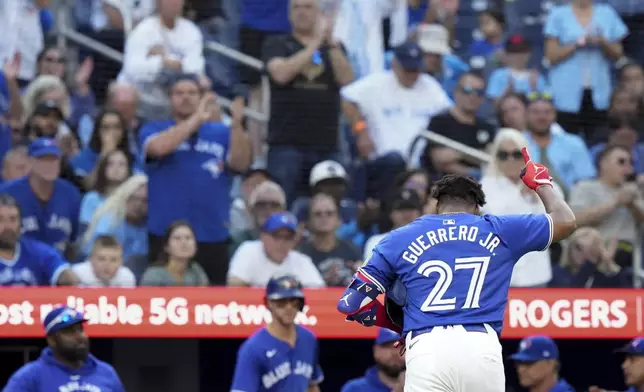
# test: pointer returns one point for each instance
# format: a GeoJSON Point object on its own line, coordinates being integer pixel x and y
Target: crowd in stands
{"type": "Point", "coordinates": [138, 174]}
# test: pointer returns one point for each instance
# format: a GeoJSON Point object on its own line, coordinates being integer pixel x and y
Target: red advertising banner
{"type": "Point", "coordinates": [238, 312]}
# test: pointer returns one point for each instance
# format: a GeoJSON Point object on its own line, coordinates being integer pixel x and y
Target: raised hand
{"type": "Point", "coordinates": [534, 175]}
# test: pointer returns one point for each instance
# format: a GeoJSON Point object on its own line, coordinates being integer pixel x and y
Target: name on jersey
{"type": "Point", "coordinates": [204, 146]}
{"type": "Point", "coordinates": [453, 233]}
{"type": "Point", "coordinates": [284, 370]}
{"type": "Point", "coordinates": [73, 386]}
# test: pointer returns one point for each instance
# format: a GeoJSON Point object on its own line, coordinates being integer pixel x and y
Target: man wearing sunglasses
{"type": "Point", "coordinates": [65, 364]}
{"type": "Point", "coordinates": [462, 125]}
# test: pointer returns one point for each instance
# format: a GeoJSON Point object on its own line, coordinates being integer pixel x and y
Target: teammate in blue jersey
{"type": "Point", "coordinates": [65, 364]}
{"type": "Point", "coordinates": [49, 204]}
{"type": "Point", "coordinates": [27, 262]}
{"type": "Point", "coordinates": [632, 366]}
{"type": "Point", "coordinates": [282, 356]}
{"type": "Point", "coordinates": [537, 364]}
{"type": "Point", "coordinates": [455, 267]}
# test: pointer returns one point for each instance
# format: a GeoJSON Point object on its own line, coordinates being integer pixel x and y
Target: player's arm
{"type": "Point", "coordinates": [23, 380]}
{"type": "Point", "coordinates": [537, 178]}
{"type": "Point", "coordinates": [57, 270]}
{"type": "Point", "coordinates": [247, 373]}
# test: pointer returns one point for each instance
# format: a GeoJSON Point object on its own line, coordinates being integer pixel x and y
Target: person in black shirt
{"type": "Point", "coordinates": [462, 125]}
{"type": "Point", "coordinates": [307, 69]}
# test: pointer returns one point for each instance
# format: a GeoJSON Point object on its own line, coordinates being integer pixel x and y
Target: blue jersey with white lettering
{"type": "Point", "coordinates": [456, 268]}
{"type": "Point", "coordinates": [192, 183]}
{"type": "Point", "coordinates": [268, 364]}
{"type": "Point", "coordinates": [54, 222]}
{"type": "Point", "coordinates": [34, 264]}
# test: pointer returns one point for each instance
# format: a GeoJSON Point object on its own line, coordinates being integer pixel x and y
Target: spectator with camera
{"type": "Point", "coordinates": [255, 262]}
{"type": "Point", "coordinates": [189, 160]}
{"type": "Point", "coordinates": [612, 202]}
{"type": "Point", "coordinates": [307, 68]}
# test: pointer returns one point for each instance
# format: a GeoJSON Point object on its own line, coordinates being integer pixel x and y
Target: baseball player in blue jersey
{"type": "Point", "coordinates": [27, 262]}
{"type": "Point", "coordinates": [632, 365]}
{"type": "Point", "coordinates": [281, 356]}
{"type": "Point", "coordinates": [537, 363]}
{"type": "Point", "coordinates": [455, 267]}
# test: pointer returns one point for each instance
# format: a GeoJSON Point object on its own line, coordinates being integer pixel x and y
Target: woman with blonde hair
{"type": "Point", "coordinates": [506, 194]}
{"type": "Point", "coordinates": [46, 88]}
{"type": "Point", "coordinates": [124, 215]}
{"type": "Point", "coordinates": [588, 261]}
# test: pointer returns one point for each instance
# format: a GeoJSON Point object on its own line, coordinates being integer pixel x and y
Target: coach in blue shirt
{"type": "Point", "coordinates": [49, 205]}
{"type": "Point", "coordinates": [389, 364]}
{"type": "Point", "coordinates": [189, 160]}
{"type": "Point", "coordinates": [66, 364]}
{"type": "Point", "coordinates": [537, 363]}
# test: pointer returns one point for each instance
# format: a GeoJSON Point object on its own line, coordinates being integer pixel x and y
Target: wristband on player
{"type": "Point", "coordinates": [359, 127]}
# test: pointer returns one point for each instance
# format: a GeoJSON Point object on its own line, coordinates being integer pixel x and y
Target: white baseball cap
{"type": "Point", "coordinates": [326, 170]}
{"type": "Point", "coordinates": [433, 38]}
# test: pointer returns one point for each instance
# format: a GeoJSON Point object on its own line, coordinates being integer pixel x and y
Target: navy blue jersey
{"type": "Point", "coordinates": [54, 222]}
{"type": "Point", "coordinates": [456, 268]}
{"type": "Point", "coordinates": [268, 364]}
{"type": "Point", "coordinates": [34, 264]}
{"type": "Point", "coordinates": [193, 180]}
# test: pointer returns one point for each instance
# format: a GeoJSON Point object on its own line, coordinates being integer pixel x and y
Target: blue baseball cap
{"type": "Point", "coordinates": [635, 347]}
{"type": "Point", "coordinates": [280, 220]}
{"type": "Point", "coordinates": [409, 55]}
{"type": "Point", "coordinates": [536, 348]}
{"type": "Point", "coordinates": [61, 318]}
{"type": "Point", "coordinates": [386, 336]}
{"type": "Point", "coordinates": [44, 146]}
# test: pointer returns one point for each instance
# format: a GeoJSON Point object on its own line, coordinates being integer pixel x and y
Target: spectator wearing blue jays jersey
{"type": "Point", "coordinates": [49, 205]}
{"type": "Point", "coordinates": [281, 356]}
{"type": "Point", "coordinates": [382, 377]}
{"type": "Point", "coordinates": [66, 364]}
{"type": "Point", "coordinates": [26, 262]}
{"type": "Point", "coordinates": [189, 160]}
{"type": "Point", "coordinates": [455, 267]}
{"type": "Point", "coordinates": [537, 364]}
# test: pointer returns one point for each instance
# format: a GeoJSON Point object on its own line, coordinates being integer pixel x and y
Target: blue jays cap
{"type": "Point", "coordinates": [61, 318]}
{"type": "Point", "coordinates": [283, 287]}
{"type": "Point", "coordinates": [635, 347]}
{"type": "Point", "coordinates": [409, 55]}
{"type": "Point", "coordinates": [280, 220]}
{"type": "Point", "coordinates": [386, 336]}
{"type": "Point", "coordinates": [44, 146]}
{"type": "Point", "coordinates": [536, 348]}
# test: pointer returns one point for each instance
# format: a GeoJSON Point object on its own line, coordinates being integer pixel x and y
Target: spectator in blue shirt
{"type": "Point", "coordinates": [27, 262]}
{"type": "Point", "coordinates": [383, 377]}
{"type": "Point", "coordinates": [447, 68]}
{"type": "Point", "coordinates": [491, 25]}
{"type": "Point", "coordinates": [565, 154]}
{"type": "Point", "coordinates": [49, 204]}
{"type": "Point", "coordinates": [109, 134]}
{"type": "Point", "coordinates": [583, 39]}
{"type": "Point", "coordinates": [515, 76]}
{"type": "Point", "coordinates": [65, 364]}
{"type": "Point", "coordinates": [623, 131]}
{"type": "Point", "coordinates": [189, 160]}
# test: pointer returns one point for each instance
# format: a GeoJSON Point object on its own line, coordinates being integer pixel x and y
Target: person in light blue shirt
{"type": "Point", "coordinates": [537, 364]}
{"type": "Point", "coordinates": [581, 54]}
{"type": "Point", "coordinates": [565, 154]}
{"type": "Point", "coordinates": [66, 363]}
{"type": "Point", "coordinates": [515, 76]}
{"type": "Point", "coordinates": [382, 377]}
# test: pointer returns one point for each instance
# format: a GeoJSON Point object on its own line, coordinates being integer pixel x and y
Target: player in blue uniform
{"type": "Point", "coordinates": [27, 262]}
{"type": "Point", "coordinates": [632, 366]}
{"type": "Point", "coordinates": [455, 267]}
{"type": "Point", "coordinates": [281, 356]}
{"type": "Point", "coordinates": [537, 364]}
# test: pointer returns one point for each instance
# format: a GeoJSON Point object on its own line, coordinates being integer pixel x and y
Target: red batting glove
{"type": "Point", "coordinates": [534, 175]}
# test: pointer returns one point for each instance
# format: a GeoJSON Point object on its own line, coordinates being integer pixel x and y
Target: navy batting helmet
{"type": "Point", "coordinates": [284, 287]}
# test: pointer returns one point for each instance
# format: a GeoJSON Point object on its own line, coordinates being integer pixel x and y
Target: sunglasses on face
{"type": "Point", "coordinates": [320, 214]}
{"type": "Point", "coordinates": [267, 204]}
{"type": "Point", "coordinates": [505, 155]}
{"type": "Point", "coordinates": [469, 90]}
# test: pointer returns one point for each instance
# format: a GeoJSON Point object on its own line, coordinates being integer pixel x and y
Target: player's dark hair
{"type": "Point", "coordinates": [6, 200]}
{"type": "Point", "coordinates": [457, 188]}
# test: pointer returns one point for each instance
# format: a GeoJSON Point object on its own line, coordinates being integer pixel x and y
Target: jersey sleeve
{"type": "Point", "coordinates": [318, 375]}
{"type": "Point", "coordinates": [53, 265]}
{"type": "Point", "coordinates": [526, 233]}
{"type": "Point", "coordinates": [23, 380]}
{"type": "Point", "coordinates": [247, 373]}
{"type": "Point", "coordinates": [378, 269]}
{"type": "Point", "coordinates": [147, 133]}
